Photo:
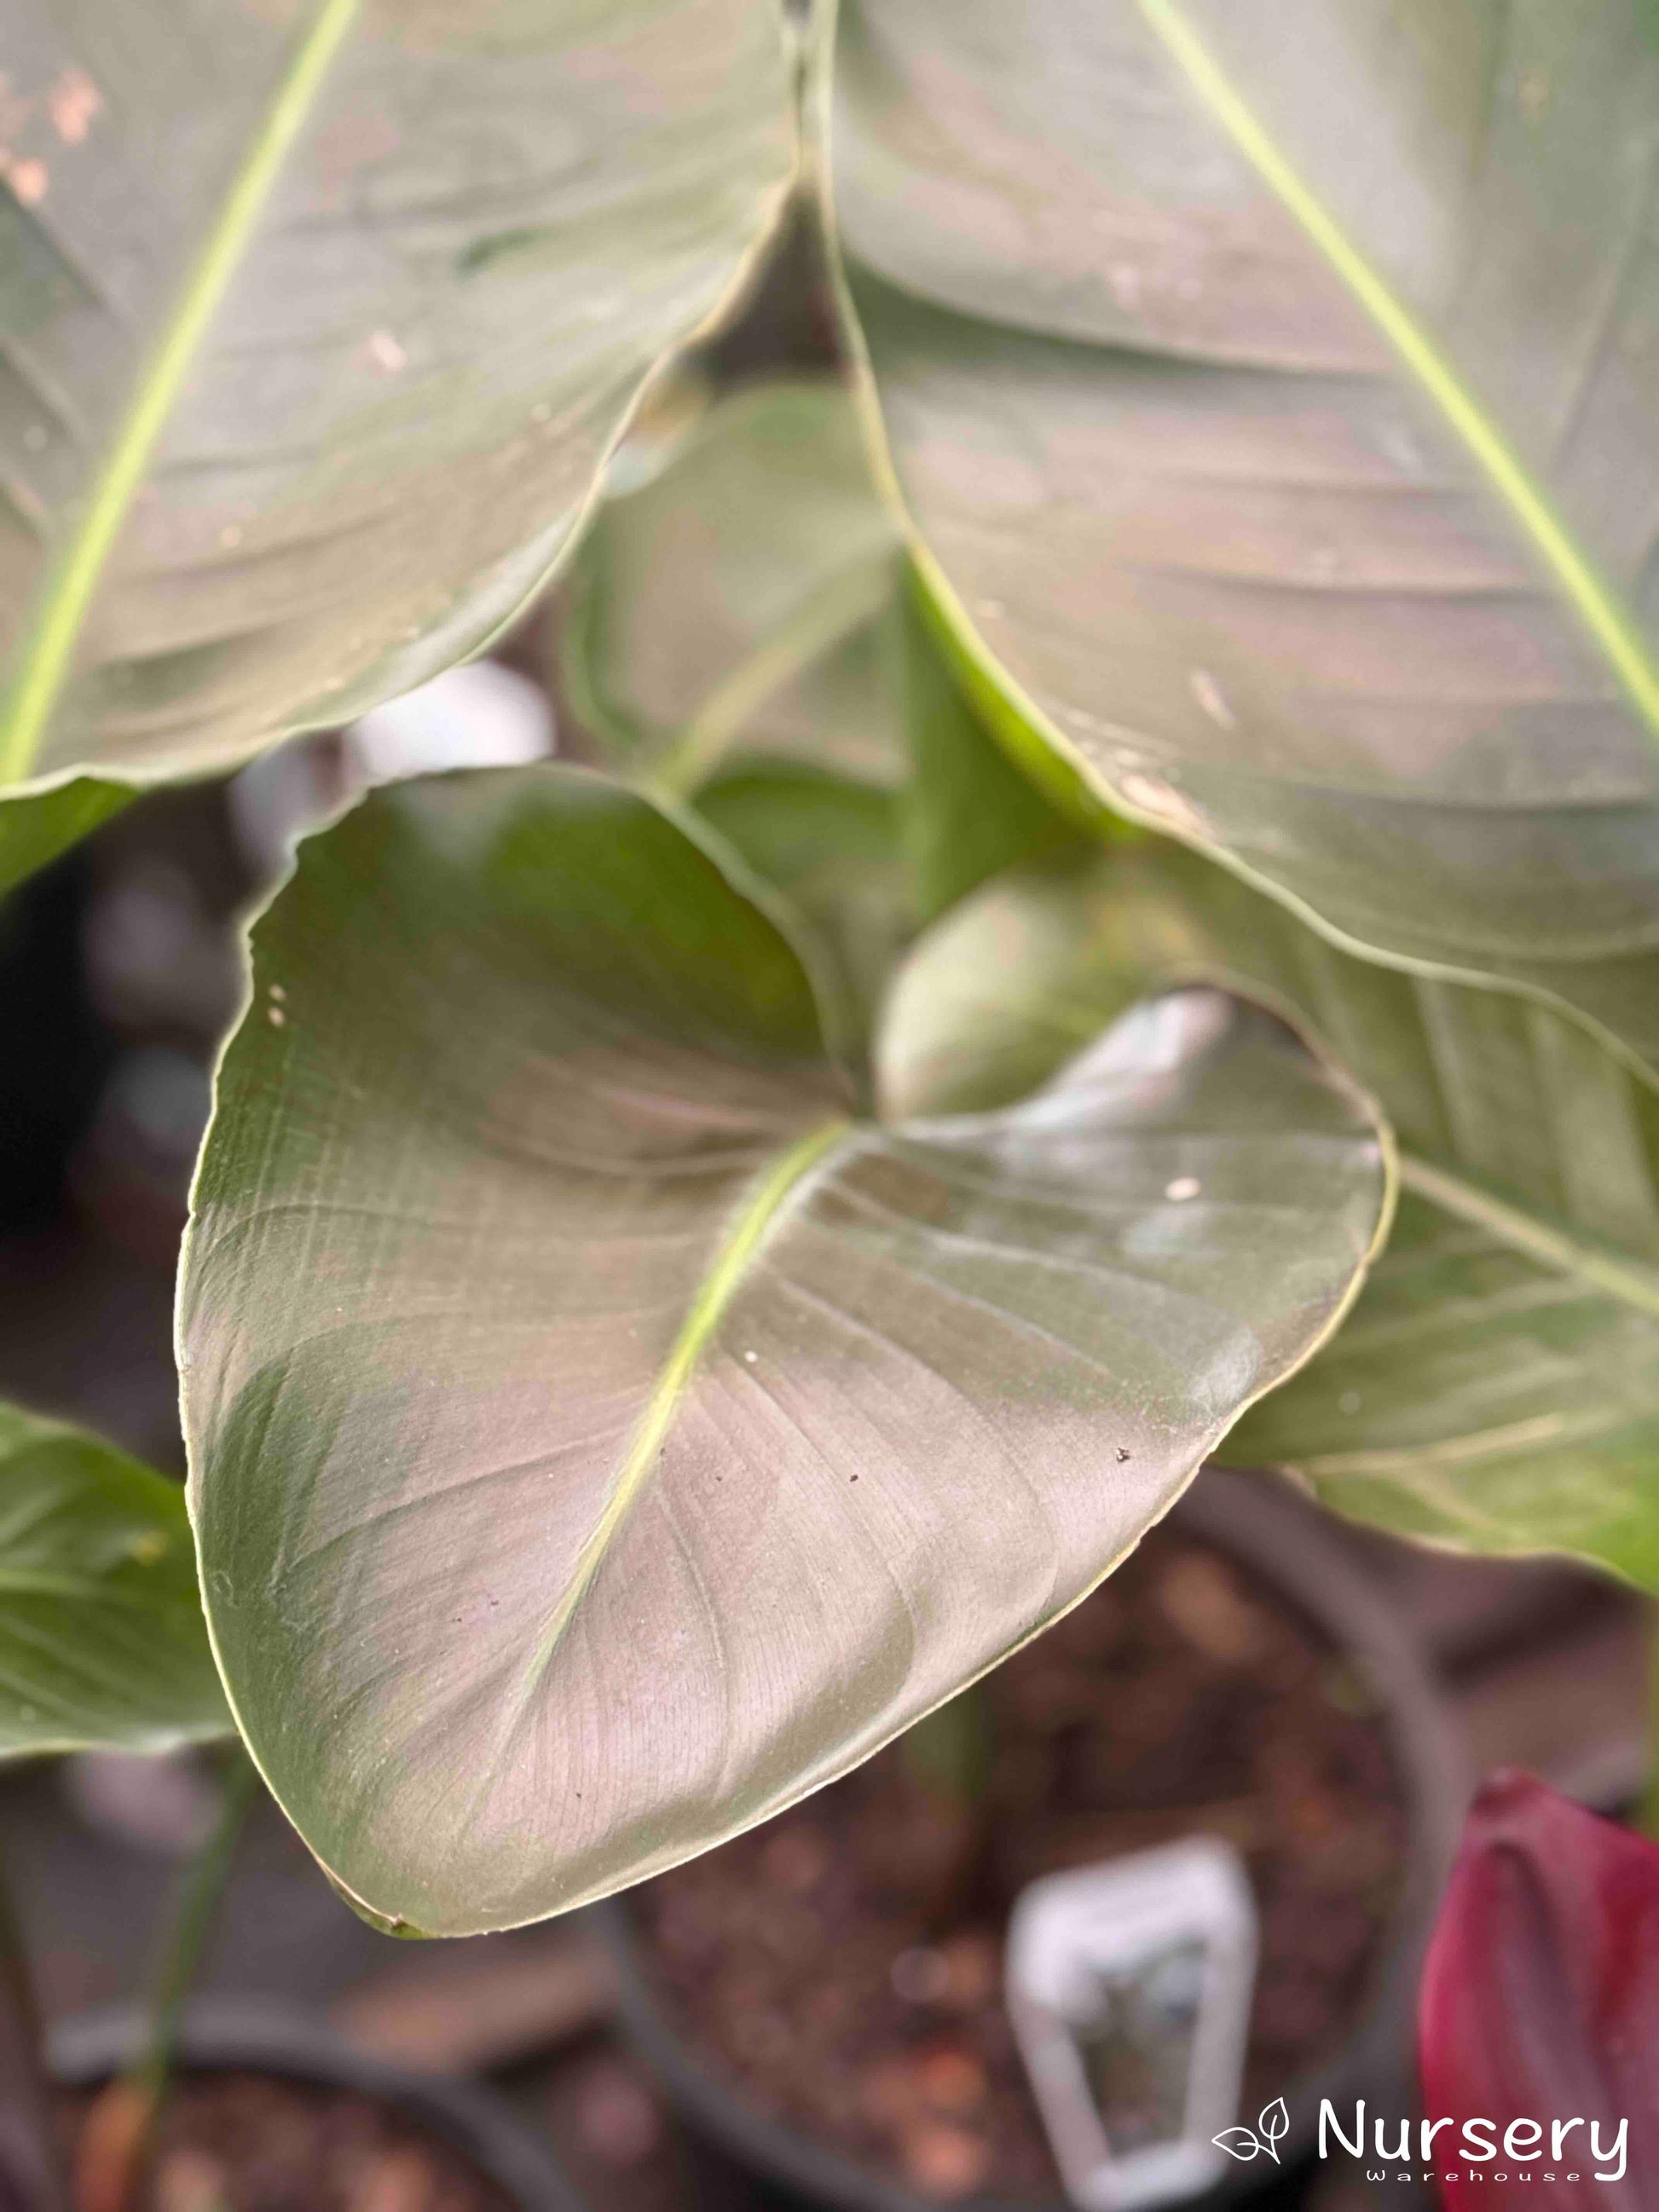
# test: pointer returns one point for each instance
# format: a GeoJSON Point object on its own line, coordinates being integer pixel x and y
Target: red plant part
{"type": "Point", "coordinates": [1540, 2008]}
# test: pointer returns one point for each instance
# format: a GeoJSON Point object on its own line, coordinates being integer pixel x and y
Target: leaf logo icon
{"type": "Point", "coordinates": [1273, 2125]}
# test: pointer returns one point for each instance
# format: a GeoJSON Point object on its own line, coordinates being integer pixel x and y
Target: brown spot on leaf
{"type": "Point", "coordinates": [383, 352]}
{"type": "Point", "coordinates": [28, 179]}
{"type": "Point", "coordinates": [73, 104]}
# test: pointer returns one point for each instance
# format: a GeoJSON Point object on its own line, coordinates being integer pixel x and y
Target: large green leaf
{"type": "Point", "coordinates": [318, 320]}
{"type": "Point", "coordinates": [1274, 389]}
{"type": "Point", "coordinates": [1496, 1386]}
{"type": "Point", "coordinates": [599, 1436]}
{"type": "Point", "coordinates": [101, 1640]}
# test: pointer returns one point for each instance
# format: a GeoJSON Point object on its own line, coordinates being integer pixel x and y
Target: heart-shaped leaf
{"type": "Point", "coordinates": [1273, 391]}
{"type": "Point", "coordinates": [101, 1640]}
{"type": "Point", "coordinates": [1497, 1387]}
{"type": "Point", "coordinates": [319, 322]}
{"type": "Point", "coordinates": [599, 1437]}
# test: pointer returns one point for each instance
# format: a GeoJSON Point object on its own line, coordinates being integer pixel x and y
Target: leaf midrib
{"type": "Point", "coordinates": [1598, 606]}
{"type": "Point", "coordinates": [48, 651]}
{"type": "Point", "coordinates": [745, 1233]}
{"type": "Point", "coordinates": [823, 621]}
{"type": "Point", "coordinates": [1553, 1246]}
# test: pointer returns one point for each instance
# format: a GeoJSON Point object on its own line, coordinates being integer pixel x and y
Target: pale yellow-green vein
{"type": "Point", "coordinates": [48, 653]}
{"type": "Point", "coordinates": [1571, 1252]}
{"type": "Point", "coordinates": [1596, 602]}
{"type": "Point", "coordinates": [826, 617]}
{"type": "Point", "coordinates": [714, 1294]}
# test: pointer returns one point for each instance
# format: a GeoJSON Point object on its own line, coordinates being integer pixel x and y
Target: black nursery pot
{"type": "Point", "coordinates": [744, 2159]}
{"type": "Point", "coordinates": [241, 2036]}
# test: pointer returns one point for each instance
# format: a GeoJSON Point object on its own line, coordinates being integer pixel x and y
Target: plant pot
{"type": "Point", "coordinates": [744, 2156]}
{"type": "Point", "coordinates": [248, 2036]}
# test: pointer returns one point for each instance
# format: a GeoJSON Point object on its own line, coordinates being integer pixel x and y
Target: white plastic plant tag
{"type": "Point", "coordinates": [1129, 1989]}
